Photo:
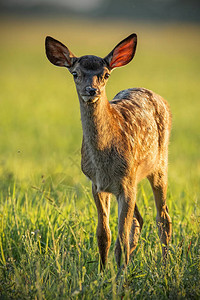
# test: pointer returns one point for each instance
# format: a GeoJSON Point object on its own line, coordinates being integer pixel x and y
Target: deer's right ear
{"type": "Point", "coordinates": [58, 54]}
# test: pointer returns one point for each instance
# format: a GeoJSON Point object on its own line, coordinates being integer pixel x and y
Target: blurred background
{"type": "Point", "coordinates": [39, 111]}
{"type": "Point", "coordinates": [159, 10]}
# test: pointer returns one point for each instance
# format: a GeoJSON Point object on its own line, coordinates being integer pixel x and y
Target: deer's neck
{"type": "Point", "coordinates": [97, 123]}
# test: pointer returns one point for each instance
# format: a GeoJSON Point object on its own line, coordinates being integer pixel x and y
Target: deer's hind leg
{"type": "Point", "coordinates": [158, 182]}
{"type": "Point", "coordinates": [102, 201]}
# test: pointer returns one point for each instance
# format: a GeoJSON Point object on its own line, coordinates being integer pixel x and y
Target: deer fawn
{"type": "Point", "coordinates": [124, 141]}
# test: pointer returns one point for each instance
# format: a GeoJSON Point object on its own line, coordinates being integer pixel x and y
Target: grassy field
{"type": "Point", "coordinates": [48, 247]}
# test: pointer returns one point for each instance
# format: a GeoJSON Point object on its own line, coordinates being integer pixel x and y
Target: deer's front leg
{"type": "Point", "coordinates": [126, 206]}
{"type": "Point", "coordinates": [136, 228]}
{"type": "Point", "coordinates": [102, 201]}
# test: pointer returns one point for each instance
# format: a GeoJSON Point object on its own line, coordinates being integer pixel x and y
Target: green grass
{"type": "Point", "coordinates": [48, 247]}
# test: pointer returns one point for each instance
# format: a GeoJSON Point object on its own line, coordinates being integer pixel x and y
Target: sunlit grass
{"type": "Point", "coordinates": [48, 219]}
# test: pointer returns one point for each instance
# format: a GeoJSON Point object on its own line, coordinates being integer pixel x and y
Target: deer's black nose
{"type": "Point", "coordinates": [92, 91]}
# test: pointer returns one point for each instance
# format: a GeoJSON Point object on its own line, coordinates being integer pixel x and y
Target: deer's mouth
{"type": "Point", "coordinates": [90, 99]}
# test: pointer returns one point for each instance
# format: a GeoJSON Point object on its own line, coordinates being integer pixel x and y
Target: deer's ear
{"type": "Point", "coordinates": [123, 53]}
{"type": "Point", "coordinates": [58, 54]}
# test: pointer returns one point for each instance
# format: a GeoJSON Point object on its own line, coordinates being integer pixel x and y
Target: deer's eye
{"type": "Point", "coordinates": [106, 76]}
{"type": "Point", "coordinates": [75, 74]}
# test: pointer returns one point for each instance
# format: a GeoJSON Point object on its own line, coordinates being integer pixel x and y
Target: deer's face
{"type": "Point", "coordinates": [91, 72]}
{"type": "Point", "coordinates": [90, 76]}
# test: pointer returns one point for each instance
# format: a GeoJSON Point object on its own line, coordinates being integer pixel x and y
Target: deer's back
{"type": "Point", "coordinates": [140, 107]}
{"type": "Point", "coordinates": [145, 116]}
{"type": "Point", "coordinates": [146, 122]}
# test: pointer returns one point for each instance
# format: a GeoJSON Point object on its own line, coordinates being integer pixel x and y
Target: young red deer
{"type": "Point", "coordinates": [124, 141]}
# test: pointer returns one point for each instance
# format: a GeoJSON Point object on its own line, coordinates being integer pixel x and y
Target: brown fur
{"type": "Point", "coordinates": [124, 141]}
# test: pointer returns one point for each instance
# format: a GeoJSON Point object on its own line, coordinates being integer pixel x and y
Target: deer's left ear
{"type": "Point", "coordinates": [123, 53]}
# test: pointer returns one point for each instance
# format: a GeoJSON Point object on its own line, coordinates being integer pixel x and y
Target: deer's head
{"type": "Point", "coordinates": [91, 72]}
